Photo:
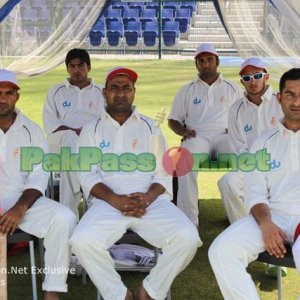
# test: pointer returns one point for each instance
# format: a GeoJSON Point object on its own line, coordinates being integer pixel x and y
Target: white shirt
{"type": "Point", "coordinates": [134, 136]}
{"type": "Point", "coordinates": [71, 106]}
{"type": "Point", "coordinates": [204, 107]}
{"type": "Point", "coordinates": [13, 181]}
{"type": "Point", "coordinates": [247, 120]}
{"type": "Point", "coordinates": [280, 187]}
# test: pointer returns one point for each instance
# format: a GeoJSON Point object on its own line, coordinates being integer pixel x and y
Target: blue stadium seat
{"type": "Point", "coordinates": [183, 24]}
{"type": "Point", "coordinates": [95, 37]}
{"type": "Point", "coordinates": [143, 21]}
{"type": "Point", "coordinates": [134, 26]}
{"type": "Point", "coordinates": [120, 6]}
{"type": "Point", "coordinates": [167, 13]}
{"type": "Point", "coordinates": [148, 13]}
{"type": "Point", "coordinates": [128, 20]}
{"type": "Point", "coordinates": [109, 20]}
{"type": "Point", "coordinates": [131, 38]}
{"type": "Point", "coordinates": [131, 13]}
{"type": "Point", "coordinates": [150, 33]}
{"type": "Point", "coordinates": [183, 13]}
{"type": "Point", "coordinates": [169, 38]}
{"type": "Point", "coordinates": [113, 38]}
{"type": "Point", "coordinates": [116, 26]}
{"type": "Point", "coordinates": [113, 13]}
{"type": "Point", "coordinates": [189, 5]}
{"type": "Point", "coordinates": [172, 26]}
{"type": "Point", "coordinates": [137, 5]}
{"type": "Point", "coordinates": [152, 5]}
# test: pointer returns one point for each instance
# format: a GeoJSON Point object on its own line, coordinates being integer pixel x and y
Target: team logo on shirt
{"type": "Point", "coordinates": [16, 152]}
{"type": "Point", "coordinates": [274, 164]}
{"type": "Point", "coordinates": [66, 104]}
{"type": "Point", "coordinates": [273, 121]}
{"type": "Point", "coordinates": [134, 144]}
{"type": "Point", "coordinates": [248, 128]}
{"type": "Point", "coordinates": [197, 101]}
{"type": "Point", "coordinates": [104, 144]}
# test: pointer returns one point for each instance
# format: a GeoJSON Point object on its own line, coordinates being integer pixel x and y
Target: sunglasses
{"type": "Point", "coordinates": [255, 76]}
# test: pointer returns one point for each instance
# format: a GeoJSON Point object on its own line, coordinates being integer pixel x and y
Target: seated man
{"type": "Point", "coordinates": [22, 190]}
{"type": "Point", "coordinates": [257, 111]}
{"type": "Point", "coordinates": [126, 192]}
{"type": "Point", "coordinates": [199, 115]}
{"type": "Point", "coordinates": [271, 196]}
{"type": "Point", "coordinates": [68, 107]}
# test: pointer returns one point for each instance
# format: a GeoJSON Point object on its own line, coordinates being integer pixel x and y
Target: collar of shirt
{"type": "Point", "coordinates": [19, 122]}
{"type": "Point", "coordinates": [267, 96]}
{"type": "Point", "coordinates": [220, 80]}
{"type": "Point", "coordinates": [134, 116]}
{"type": "Point", "coordinates": [69, 85]}
{"type": "Point", "coordinates": [285, 131]}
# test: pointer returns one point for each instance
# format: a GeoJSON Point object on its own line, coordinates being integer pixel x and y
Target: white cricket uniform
{"type": "Point", "coordinates": [163, 225]}
{"type": "Point", "coordinates": [45, 218]}
{"type": "Point", "coordinates": [278, 188]}
{"type": "Point", "coordinates": [204, 108]}
{"type": "Point", "coordinates": [246, 122]}
{"type": "Point", "coordinates": [70, 106]}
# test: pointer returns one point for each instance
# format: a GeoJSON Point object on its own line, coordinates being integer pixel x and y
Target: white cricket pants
{"type": "Point", "coordinates": [163, 226]}
{"type": "Point", "coordinates": [236, 247]}
{"type": "Point", "coordinates": [69, 187]}
{"type": "Point", "coordinates": [231, 187]}
{"type": "Point", "coordinates": [54, 223]}
{"type": "Point", "coordinates": [187, 198]}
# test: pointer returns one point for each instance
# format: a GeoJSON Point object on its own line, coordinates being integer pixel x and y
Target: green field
{"type": "Point", "coordinates": [156, 87]}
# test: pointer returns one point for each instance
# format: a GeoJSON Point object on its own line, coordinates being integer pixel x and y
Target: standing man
{"type": "Point", "coordinates": [22, 191]}
{"type": "Point", "coordinates": [199, 115]}
{"type": "Point", "coordinates": [272, 197]}
{"type": "Point", "coordinates": [68, 107]}
{"type": "Point", "coordinates": [138, 198]}
{"type": "Point", "coordinates": [257, 111]}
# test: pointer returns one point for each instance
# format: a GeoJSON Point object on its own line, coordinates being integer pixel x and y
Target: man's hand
{"type": "Point", "coordinates": [10, 220]}
{"type": "Point", "coordinates": [130, 205]}
{"type": "Point", "coordinates": [189, 133]}
{"type": "Point", "coordinates": [274, 238]}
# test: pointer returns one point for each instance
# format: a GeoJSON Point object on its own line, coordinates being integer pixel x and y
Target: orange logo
{"type": "Point", "coordinates": [134, 143]}
{"type": "Point", "coordinates": [16, 152]}
{"type": "Point", "coordinates": [273, 121]}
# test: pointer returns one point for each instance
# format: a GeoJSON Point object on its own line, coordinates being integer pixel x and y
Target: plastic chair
{"type": "Point", "coordinates": [21, 236]}
{"type": "Point", "coordinates": [287, 261]}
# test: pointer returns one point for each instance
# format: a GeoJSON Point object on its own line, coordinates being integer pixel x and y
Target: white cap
{"type": "Point", "coordinates": [205, 48]}
{"type": "Point", "coordinates": [254, 62]}
{"type": "Point", "coordinates": [7, 76]}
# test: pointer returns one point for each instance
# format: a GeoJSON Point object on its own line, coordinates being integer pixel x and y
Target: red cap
{"type": "Point", "coordinates": [122, 71]}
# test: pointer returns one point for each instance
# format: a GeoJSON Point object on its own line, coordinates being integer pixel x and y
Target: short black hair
{"type": "Point", "coordinates": [292, 74]}
{"type": "Point", "coordinates": [81, 54]}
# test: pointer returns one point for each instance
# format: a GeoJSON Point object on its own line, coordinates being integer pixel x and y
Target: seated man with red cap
{"type": "Point", "coordinates": [22, 201]}
{"type": "Point", "coordinates": [129, 190]}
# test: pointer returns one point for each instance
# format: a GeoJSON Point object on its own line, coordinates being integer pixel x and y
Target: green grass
{"type": "Point", "coordinates": [156, 87]}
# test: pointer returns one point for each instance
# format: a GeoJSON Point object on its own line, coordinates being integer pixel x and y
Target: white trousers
{"type": "Point", "coordinates": [187, 198]}
{"type": "Point", "coordinates": [54, 223]}
{"type": "Point", "coordinates": [231, 187]}
{"type": "Point", "coordinates": [236, 247]}
{"type": "Point", "coordinates": [69, 187]}
{"type": "Point", "coordinates": [163, 226]}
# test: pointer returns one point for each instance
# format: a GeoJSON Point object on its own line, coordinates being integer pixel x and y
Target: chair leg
{"type": "Point", "coordinates": [279, 282]}
{"type": "Point", "coordinates": [33, 275]}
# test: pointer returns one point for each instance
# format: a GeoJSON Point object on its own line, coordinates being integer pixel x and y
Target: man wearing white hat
{"type": "Point", "coordinates": [68, 107]}
{"type": "Point", "coordinates": [139, 200]}
{"type": "Point", "coordinates": [257, 111]}
{"type": "Point", "coordinates": [199, 114]}
{"type": "Point", "coordinates": [22, 200]}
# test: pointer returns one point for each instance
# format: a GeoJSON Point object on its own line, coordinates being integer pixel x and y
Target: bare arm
{"type": "Point", "coordinates": [273, 236]}
{"type": "Point", "coordinates": [177, 128]}
{"type": "Point", "coordinates": [10, 220]}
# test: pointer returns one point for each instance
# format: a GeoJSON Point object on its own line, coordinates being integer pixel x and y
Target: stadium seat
{"type": "Point", "coordinates": [114, 38]}
{"type": "Point", "coordinates": [183, 24]}
{"type": "Point", "coordinates": [169, 38]}
{"type": "Point", "coordinates": [150, 33]}
{"type": "Point", "coordinates": [113, 13]}
{"type": "Point", "coordinates": [189, 5]}
{"type": "Point", "coordinates": [143, 21]}
{"type": "Point", "coordinates": [152, 5]}
{"type": "Point", "coordinates": [167, 13]}
{"type": "Point", "coordinates": [109, 20]}
{"type": "Point", "coordinates": [133, 33]}
{"type": "Point", "coordinates": [120, 6]}
{"type": "Point", "coordinates": [183, 13]}
{"type": "Point", "coordinates": [134, 26]}
{"type": "Point", "coordinates": [172, 26]}
{"type": "Point", "coordinates": [116, 26]}
{"type": "Point", "coordinates": [137, 5]}
{"type": "Point", "coordinates": [95, 37]}
{"type": "Point", "coordinates": [148, 13]}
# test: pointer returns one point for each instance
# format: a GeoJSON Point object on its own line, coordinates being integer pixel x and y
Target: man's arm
{"type": "Point", "coordinates": [181, 130]}
{"type": "Point", "coordinates": [11, 219]}
{"type": "Point", "coordinates": [63, 127]}
{"type": "Point", "coordinates": [273, 236]}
